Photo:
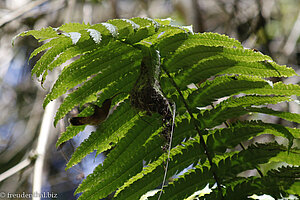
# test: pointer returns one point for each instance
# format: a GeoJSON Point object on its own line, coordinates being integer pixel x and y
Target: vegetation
{"type": "Point", "coordinates": [173, 82]}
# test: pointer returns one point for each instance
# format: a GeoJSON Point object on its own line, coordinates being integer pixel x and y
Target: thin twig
{"type": "Point", "coordinates": [169, 150]}
{"type": "Point", "coordinates": [202, 141]}
{"type": "Point", "coordinates": [21, 165]}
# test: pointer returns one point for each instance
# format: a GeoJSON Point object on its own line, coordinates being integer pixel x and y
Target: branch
{"type": "Point", "coordinates": [19, 12]}
{"type": "Point", "coordinates": [41, 148]}
{"type": "Point", "coordinates": [20, 166]}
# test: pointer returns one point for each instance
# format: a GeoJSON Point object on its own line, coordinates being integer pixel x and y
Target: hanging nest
{"type": "Point", "coordinates": [146, 95]}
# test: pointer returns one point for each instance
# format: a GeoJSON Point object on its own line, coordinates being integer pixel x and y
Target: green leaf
{"type": "Point", "coordinates": [291, 157]}
{"type": "Point", "coordinates": [96, 35]}
{"type": "Point", "coordinates": [107, 133]}
{"type": "Point", "coordinates": [151, 176]}
{"type": "Point", "coordinates": [41, 65]}
{"type": "Point", "coordinates": [211, 78]}
{"type": "Point", "coordinates": [188, 55]}
{"type": "Point", "coordinates": [224, 86]}
{"type": "Point", "coordinates": [87, 65]}
{"type": "Point", "coordinates": [71, 132]}
{"type": "Point", "coordinates": [207, 68]}
{"type": "Point", "coordinates": [187, 184]}
{"type": "Point", "coordinates": [235, 107]}
{"type": "Point", "coordinates": [40, 35]}
{"type": "Point", "coordinates": [293, 117]}
{"type": "Point", "coordinates": [126, 152]}
{"type": "Point", "coordinates": [73, 27]}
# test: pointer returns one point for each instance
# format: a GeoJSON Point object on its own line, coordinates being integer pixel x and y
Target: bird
{"type": "Point", "coordinates": [99, 115]}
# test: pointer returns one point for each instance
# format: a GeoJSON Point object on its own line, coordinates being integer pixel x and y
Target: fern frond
{"type": "Point", "coordinates": [274, 184]}
{"type": "Point", "coordinates": [225, 86]}
{"type": "Point", "coordinates": [45, 46]}
{"type": "Point", "coordinates": [291, 157]}
{"type": "Point", "coordinates": [207, 68]}
{"type": "Point", "coordinates": [201, 74]}
{"type": "Point", "coordinates": [107, 80]}
{"type": "Point", "coordinates": [41, 35]}
{"type": "Point", "coordinates": [87, 65]}
{"type": "Point", "coordinates": [126, 27]}
{"type": "Point", "coordinates": [221, 139]}
{"type": "Point", "coordinates": [73, 27]}
{"type": "Point", "coordinates": [71, 132]}
{"type": "Point", "coordinates": [187, 56]}
{"type": "Point", "coordinates": [61, 44]}
{"type": "Point", "coordinates": [129, 150]}
{"type": "Point", "coordinates": [194, 180]}
{"type": "Point", "coordinates": [168, 45]}
{"type": "Point", "coordinates": [293, 117]}
{"type": "Point", "coordinates": [213, 39]}
{"type": "Point", "coordinates": [216, 116]}
{"type": "Point", "coordinates": [295, 188]}
{"type": "Point", "coordinates": [238, 132]}
{"type": "Point", "coordinates": [107, 134]}
{"type": "Point", "coordinates": [151, 176]}
{"type": "Point", "coordinates": [228, 166]}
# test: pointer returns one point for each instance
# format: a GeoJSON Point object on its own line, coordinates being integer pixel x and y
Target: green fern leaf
{"type": "Point", "coordinates": [221, 139]}
{"type": "Point", "coordinates": [293, 117]}
{"type": "Point", "coordinates": [123, 153]}
{"type": "Point", "coordinates": [214, 117]}
{"type": "Point", "coordinates": [187, 56]}
{"type": "Point", "coordinates": [72, 131]}
{"type": "Point", "coordinates": [73, 27]}
{"type": "Point", "coordinates": [291, 157]}
{"type": "Point", "coordinates": [45, 46]}
{"type": "Point", "coordinates": [125, 27]}
{"type": "Point", "coordinates": [87, 65]}
{"type": "Point", "coordinates": [107, 134]}
{"type": "Point", "coordinates": [41, 65]}
{"type": "Point", "coordinates": [224, 86]}
{"type": "Point", "coordinates": [101, 82]}
{"type": "Point", "coordinates": [218, 66]}
{"type": "Point", "coordinates": [229, 166]}
{"type": "Point", "coordinates": [201, 74]}
{"type": "Point", "coordinates": [295, 188]}
{"type": "Point", "coordinates": [151, 176]}
{"type": "Point", "coordinates": [40, 35]}
{"type": "Point", "coordinates": [273, 184]}
{"type": "Point", "coordinates": [182, 39]}
{"type": "Point", "coordinates": [266, 128]}
{"type": "Point", "coordinates": [194, 180]}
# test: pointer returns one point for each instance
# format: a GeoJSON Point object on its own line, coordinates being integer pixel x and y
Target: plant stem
{"type": "Point", "coordinates": [202, 141]}
{"type": "Point", "coordinates": [41, 148]}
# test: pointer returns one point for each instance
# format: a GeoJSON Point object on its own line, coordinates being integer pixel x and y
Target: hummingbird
{"type": "Point", "coordinates": [99, 115]}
